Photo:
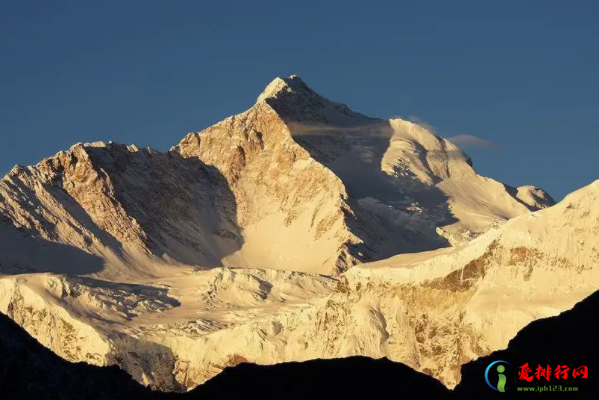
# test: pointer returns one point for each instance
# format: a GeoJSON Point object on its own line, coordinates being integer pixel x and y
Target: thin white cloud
{"type": "Point", "coordinates": [380, 128]}
{"type": "Point", "coordinates": [471, 141]}
{"type": "Point", "coordinates": [419, 121]}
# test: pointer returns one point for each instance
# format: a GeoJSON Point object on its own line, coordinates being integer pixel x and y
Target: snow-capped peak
{"type": "Point", "coordinates": [296, 102]}
{"type": "Point", "coordinates": [292, 84]}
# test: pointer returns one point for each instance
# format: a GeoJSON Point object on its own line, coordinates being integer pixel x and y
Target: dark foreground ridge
{"type": "Point", "coordinates": [30, 371]}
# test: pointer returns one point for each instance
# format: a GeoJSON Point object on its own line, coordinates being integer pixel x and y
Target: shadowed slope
{"type": "Point", "coordinates": [124, 205]}
{"type": "Point", "coordinates": [22, 253]}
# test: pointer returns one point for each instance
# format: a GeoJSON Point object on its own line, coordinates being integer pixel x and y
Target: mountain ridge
{"type": "Point", "coordinates": [36, 371]}
{"type": "Point", "coordinates": [351, 244]}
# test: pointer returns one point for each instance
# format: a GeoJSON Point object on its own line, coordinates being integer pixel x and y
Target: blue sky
{"type": "Point", "coordinates": [523, 75]}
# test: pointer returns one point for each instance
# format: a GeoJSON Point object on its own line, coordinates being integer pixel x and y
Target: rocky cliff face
{"type": "Point", "coordinates": [236, 245]}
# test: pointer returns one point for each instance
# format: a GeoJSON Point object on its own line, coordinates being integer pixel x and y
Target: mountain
{"type": "Point", "coordinates": [266, 238]}
{"type": "Point", "coordinates": [435, 311]}
{"type": "Point", "coordinates": [31, 371]}
{"type": "Point", "coordinates": [296, 182]}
